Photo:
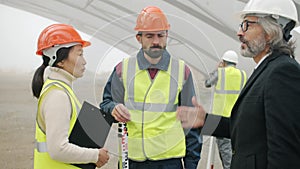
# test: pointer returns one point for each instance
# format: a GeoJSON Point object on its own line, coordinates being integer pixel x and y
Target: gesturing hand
{"type": "Point", "coordinates": [191, 117]}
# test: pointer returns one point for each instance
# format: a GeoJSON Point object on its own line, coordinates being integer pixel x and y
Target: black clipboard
{"type": "Point", "coordinates": [90, 130]}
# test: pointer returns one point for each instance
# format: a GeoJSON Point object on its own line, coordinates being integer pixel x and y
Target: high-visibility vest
{"type": "Point", "coordinates": [154, 133]}
{"type": "Point", "coordinates": [42, 159]}
{"type": "Point", "coordinates": [230, 82]}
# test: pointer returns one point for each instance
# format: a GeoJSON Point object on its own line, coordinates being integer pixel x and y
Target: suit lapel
{"type": "Point", "coordinates": [253, 77]}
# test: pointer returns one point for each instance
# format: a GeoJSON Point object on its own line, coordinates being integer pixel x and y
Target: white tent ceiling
{"type": "Point", "coordinates": [201, 30]}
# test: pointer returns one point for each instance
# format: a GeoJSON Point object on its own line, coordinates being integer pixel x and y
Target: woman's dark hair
{"type": "Point", "coordinates": [38, 77]}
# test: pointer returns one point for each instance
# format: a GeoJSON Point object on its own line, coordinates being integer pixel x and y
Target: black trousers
{"type": "Point", "coordinates": [174, 163]}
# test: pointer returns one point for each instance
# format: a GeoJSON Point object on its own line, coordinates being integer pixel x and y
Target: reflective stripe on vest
{"type": "Point", "coordinates": [41, 146]}
{"type": "Point", "coordinates": [49, 82]}
{"type": "Point", "coordinates": [228, 87]}
{"type": "Point", "coordinates": [42, 159]}
{"type": "Point", "coordinates": [222, 89]}
{"type": "Point", "coordinates": [153, 132]}
{"type": "Point", "coordinates": [153, 107]}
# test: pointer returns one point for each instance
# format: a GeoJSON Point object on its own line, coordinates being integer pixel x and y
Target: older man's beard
{"type": "Point", "coordinates": [254, 47]}
{"type": "Point", "coordinates": [155, 53]}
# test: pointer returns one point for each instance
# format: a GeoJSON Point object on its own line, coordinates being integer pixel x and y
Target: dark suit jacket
{"type": "Point", "coordinates": [265, 121]}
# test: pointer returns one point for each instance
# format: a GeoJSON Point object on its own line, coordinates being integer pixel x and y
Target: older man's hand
{"type": "Point", "coordinates": [191, 117]}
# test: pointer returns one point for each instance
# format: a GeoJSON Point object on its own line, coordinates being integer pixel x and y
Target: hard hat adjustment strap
{"type": "Point", "coordinates": [51, 52]}
{"type": "Point", "coordinates": [287, 29]}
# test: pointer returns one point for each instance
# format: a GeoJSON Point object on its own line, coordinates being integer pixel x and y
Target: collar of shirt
{"type": "Point", "coordinates": [163, 64]}
{"type": "Point", "coordinates": [261, 60]}
{"type": "Point", "coordinates": [62, 75]}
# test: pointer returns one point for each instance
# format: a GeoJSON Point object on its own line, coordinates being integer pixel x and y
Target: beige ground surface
{"type": "Point", "coordinates": [17, 121]}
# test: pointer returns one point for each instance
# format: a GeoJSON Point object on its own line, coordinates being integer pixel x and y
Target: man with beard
{"type": "Point", "coordinates": [144, 92]}
{"type": "Point", "coordinates": [264, 124]}
{"type": "Point", "coordinates": [228, 81]}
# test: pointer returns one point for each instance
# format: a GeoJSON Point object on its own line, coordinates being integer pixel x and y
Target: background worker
{"type": "Point", "coordinates": [264, 123]}
{"type": "Point", "coordinates": [144, 92]}
{"type": "Point", "coordinates": [61, 48]}
{"type": "Point", "coordinates": [228, 82]}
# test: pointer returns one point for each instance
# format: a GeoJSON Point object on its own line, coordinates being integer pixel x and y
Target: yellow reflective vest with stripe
{"type": "Point", "coordinates": [42, 159]}
{"type": "Point", "coordinates": [154, 133]}
{"type": "Point", "coordinates": [230, 82]}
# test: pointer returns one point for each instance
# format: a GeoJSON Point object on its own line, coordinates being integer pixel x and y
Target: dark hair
{"type": "Point", "coordinates": [229, 63]}
{"type": "Point", "coordinates": [38, 77]}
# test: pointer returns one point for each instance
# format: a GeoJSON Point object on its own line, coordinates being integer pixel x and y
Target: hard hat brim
{"type": "Point", "coordinates": [242, 14]}
{"type": "Point", "coordinates": [83, 42]}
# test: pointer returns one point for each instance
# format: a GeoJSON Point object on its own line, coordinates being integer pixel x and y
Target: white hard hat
{"type": "Point", "coordinates": [275, 8]}
{"type": "Point", "coordinates": [230, 56]}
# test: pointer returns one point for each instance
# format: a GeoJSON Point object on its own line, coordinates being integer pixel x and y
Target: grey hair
{"type": "Point", "coordinates": [275, 31]}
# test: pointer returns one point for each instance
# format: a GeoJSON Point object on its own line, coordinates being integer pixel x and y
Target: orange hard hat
{"type": "Point", "coordinates": [151, 18]}
{"type": "Point", "coordinates": [58, 34]}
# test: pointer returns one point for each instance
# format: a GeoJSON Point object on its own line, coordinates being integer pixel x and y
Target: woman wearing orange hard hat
{"type": "Point", "coordinates": [61, 49]}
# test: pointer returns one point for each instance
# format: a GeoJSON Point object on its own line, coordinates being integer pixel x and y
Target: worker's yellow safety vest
{"type": "Point", "coordinates": [42, 159]}
{"type": "Point", "coordinates": [230, 82]}
{"type": "Point", "coordinates": [154, 133]}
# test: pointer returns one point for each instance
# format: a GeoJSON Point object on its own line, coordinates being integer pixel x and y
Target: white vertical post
{"type": "Point", "coordinates": [211, 153]}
